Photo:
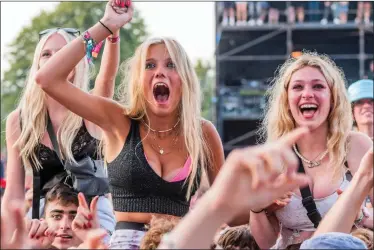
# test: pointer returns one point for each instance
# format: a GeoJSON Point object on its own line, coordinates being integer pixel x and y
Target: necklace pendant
{"type": "Point", "coordinates": [161, 151]}
{"type": "Point", "coordinates": [314, 164]}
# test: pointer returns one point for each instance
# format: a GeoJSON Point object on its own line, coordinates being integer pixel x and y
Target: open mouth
{"type": "Point", "coordinates": [308, 110]}
{"type": "Point", "coordinates": [65, 236]}
{"type": "Point", "coordinates": [161, 92]}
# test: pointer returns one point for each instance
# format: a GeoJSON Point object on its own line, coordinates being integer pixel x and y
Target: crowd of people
{"type": "Point", "coordinates": [147, 171]}
{"type": "Point", "coordinates": [252, 13]}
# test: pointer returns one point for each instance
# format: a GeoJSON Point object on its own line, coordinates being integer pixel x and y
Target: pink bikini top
{"type": "Point", "coordinates": [183, 173]}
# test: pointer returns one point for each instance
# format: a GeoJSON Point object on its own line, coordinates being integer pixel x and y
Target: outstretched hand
{"type": "Point", "coordinates": [252, 178]}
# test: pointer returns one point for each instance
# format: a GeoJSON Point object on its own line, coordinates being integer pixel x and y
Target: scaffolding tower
{"type": "Point", "coordinates": [247, 57]}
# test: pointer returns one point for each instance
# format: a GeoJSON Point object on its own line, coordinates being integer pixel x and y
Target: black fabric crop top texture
{"type": "Point", "coordinates": [135, 187]}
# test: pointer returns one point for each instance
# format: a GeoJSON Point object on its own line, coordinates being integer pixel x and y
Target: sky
{"type": "Point", "coordinates": [191, 23]}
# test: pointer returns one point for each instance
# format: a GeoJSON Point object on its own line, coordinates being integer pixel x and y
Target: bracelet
{"type": "Point", "coordinates": [92, 49]}
{"type": "Point", "coordinates": [106, 27]}
{"type": "Point", "coordinates": [257, 212]}
{"type": "Point", "coordinates": [113, 39]}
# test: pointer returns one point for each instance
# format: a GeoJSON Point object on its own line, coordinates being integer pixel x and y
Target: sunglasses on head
{"type": "Point", "coordinates": [71, 31]}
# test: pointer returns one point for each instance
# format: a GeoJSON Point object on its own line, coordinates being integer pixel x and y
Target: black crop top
{"type": "Point", "coordinates": [83, 144]}
{"type": "Point", "coordinates": [135, 187]}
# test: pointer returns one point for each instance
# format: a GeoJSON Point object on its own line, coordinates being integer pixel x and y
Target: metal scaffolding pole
{"type": "Point", "coordinates": [361, 56]}
{"type": "Point", "coordinates": [251, 43]}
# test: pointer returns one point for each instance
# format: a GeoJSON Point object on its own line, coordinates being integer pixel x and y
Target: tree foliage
{"type": "Point", "coordinates": [81, 15]}
{"type": "Point", "coordinates": [207, 88]}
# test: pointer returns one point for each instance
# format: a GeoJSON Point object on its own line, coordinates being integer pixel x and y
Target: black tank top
{"type": "Point", "coordinates": [135, 187]}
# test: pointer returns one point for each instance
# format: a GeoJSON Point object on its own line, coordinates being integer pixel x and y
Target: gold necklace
{"type": "Point", "coordinates": [161, 131]}
{"type": "Point", "coordinates": [311, 163]}
{"type": "Point", "coordinates": [160, 149]}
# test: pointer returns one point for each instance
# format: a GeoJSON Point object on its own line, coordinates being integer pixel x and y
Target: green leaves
{"type": "Point", "coordinates": [80, 15]}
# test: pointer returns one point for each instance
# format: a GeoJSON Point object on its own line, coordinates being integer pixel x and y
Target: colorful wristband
{"type": "Point", "coordinates": [92, 48]}
{"type": "Point", "coordinates": [113, 39]}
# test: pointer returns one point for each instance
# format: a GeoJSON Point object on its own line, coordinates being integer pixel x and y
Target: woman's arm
{"type": "Point", "coordinates": [215, 145]}
{"type": "Point", "coordinates": [15, 173]}
{"type": "Point", "coordinates": [359, 144]}
{"type": "Point", "coordinates": [105, 80]}
{"type": "Point", "coordinates": [52, 77]}
{"type": "Point", "coordinates": [264, 229]}
{"type": "Point", "coordinates": [350, 201]}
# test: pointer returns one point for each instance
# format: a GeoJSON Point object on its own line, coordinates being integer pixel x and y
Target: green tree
{"type": "Point", "coordinates": [207, 86]}
{"type": "Point", "coordinates": [81, 15]}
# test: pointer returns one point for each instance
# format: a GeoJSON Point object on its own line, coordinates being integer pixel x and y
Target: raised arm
{"type": "Point", "coordinates": [15, 173]}
{"type": "Point", "coordinates": [105, 80]}
{"type": "Point", "coordinates": [52, 77]}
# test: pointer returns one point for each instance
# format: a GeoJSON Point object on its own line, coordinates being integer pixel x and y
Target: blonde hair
{"type": "Point", "coordinates": [33, 110]}
{"type": "Point", "coordinates": [279, 121]}
{"type": "Point", "coordinates": [364, 234]}
{"type": "Point", "coordinates": [132, 97]}
{"type": "Point", "coordinates": [158, 226]}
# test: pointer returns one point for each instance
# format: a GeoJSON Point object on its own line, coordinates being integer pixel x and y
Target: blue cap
{"type": "Point", "coordinates": [361, 89]}
{"type": "Point", "coordinates": [334, 240]}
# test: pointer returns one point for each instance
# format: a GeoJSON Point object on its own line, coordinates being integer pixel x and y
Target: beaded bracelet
{"type": "Point", "coordinates": [92, 49]}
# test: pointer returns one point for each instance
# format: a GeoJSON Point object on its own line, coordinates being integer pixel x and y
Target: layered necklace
{"type": "Point", "coordinates": [311, 163]}
{"type": "Point", "coordinates": [156, 146]}
{"type": "Point", "coordinates": [161, 131]}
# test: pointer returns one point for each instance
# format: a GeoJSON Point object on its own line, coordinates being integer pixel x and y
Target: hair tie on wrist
{"type": "Point", "coordinates": [106, 27]}
{"type": "Point", "coordinates": [257, 212]}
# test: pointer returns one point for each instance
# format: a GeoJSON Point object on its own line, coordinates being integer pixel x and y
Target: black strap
{"type": "Point", "coordinates": [36, 195]}
{"type": "Point", "coordinates": [53, 138]}
{"type": "Point", "coordinates": [56, 148]}
{"type": "Point", "coordinates": [308, 201]}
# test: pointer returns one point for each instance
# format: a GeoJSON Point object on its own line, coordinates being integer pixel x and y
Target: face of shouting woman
{"type": "Point", "coordinates": [162, 84]}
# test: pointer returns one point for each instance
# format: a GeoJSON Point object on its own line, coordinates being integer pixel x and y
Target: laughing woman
{"type": "Point", "coordinates": [310, 92]}
{"type": "Point", "coordinates": [157, 145]}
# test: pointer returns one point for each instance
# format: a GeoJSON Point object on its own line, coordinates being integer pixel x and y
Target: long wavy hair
{"type": "Point", "coordinates": [33, 110]}
{"type": "Point", "coordinates": [278, 118]}
{"type": "Point", "coordinates": [132, 96]}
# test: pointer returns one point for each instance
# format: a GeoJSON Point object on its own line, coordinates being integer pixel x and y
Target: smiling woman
{"type": "Point", "coordinates": [309, 91]}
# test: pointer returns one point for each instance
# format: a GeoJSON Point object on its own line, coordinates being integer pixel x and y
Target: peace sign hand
{"type": "Point", "coordinates": [86, 218]}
